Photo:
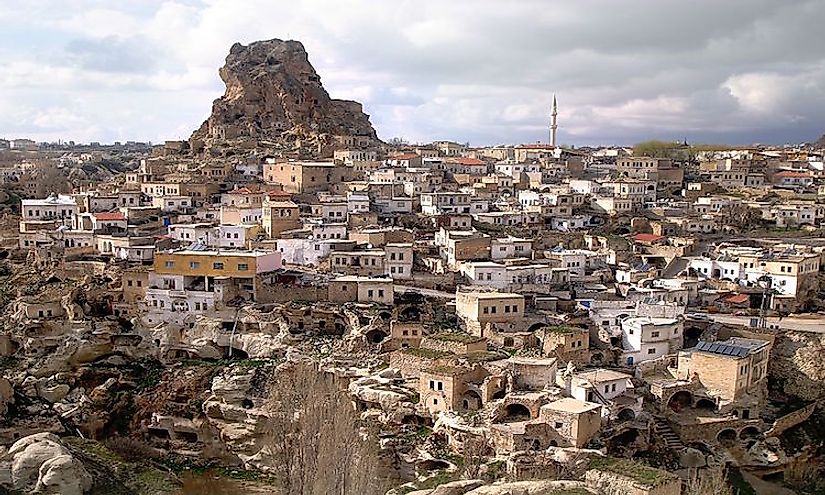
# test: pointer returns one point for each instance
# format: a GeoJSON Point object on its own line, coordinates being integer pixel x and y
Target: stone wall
{"type": "Point", "coordinates": [268, 294]}
{"type": "Point", "coordinates": [791, 419]}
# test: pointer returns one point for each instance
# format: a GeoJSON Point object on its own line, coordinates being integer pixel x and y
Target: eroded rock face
{"type": "Point", "coordinates": [797, 363]}
{"type": "Point", "coordinates": [40, 463]}
{"type": "Point", "coordinates": [274, 98]}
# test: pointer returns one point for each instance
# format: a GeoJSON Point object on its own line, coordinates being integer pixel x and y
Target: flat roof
{"type": "Point", "coordinates": [602, 375]}
{"type": "Point", "coordinates": [495, 295]}
{"type": "Point", "coordinates": [568, 404]}
{"type": "Point", "coordinates": [215, 252]}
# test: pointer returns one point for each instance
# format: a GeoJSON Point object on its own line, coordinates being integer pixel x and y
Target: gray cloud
{"type": "Point", "coordinates": [482, 71]}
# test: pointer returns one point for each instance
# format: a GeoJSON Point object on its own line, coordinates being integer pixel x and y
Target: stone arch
{"type": "Point", "coordinates": [375, 336]}
{"type": "Point", "coordinates": [536, 326]}
{"type": "Point", "coordinates": [749, 432]}
{"type": "Point", "coordinates": [705, 404]}
{"type": "Point", "coordinates": [515, 412]}
{"type": "Point", "coordinates": [385, 315]}
{"type": "Point", "coordinates": [680, 400]}
{"type": "Point", "coordinates": [626, 414]}
{"type": "Point", "coordinates": [596, 358]}
{"type": "Point", "coordinates": [499, 394]}
{"type": "Point", "coordinates": [340, 327]}
{"type": "Point", "coordinates": [432, 465]}
{"type": "Point", "coordinates": [726, 437]}
{"type": "Point", "coordinates": [471, 401]}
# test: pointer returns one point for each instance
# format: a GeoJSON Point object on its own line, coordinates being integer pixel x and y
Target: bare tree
{"type": "Point", "coordinates": [710, 481]}
{"type": "Point", "coordinates": [475, 450]}
{"type": "Point", "coordinates": [315, 438]}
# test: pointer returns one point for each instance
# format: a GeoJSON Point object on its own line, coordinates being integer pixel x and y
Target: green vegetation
{"type": "Point", "coordinates": [484, 357]}
{"type": "Point", "coordinates": [462, 338]}
{"type": "Point", "coordinates": [495, 471]}
{"type": "Point", "coordinates": [437, 479]}
{"type": "Point", "coordinates": [114, 475]}
{"type": "Point", "coordinates": [740, 485]}
{"type": "Point", "coordinates": [446, 370]}
{"type": "Point", "coordinates": [426, 353]}
{"type": "Point", "coordinates": [673, 150]}
{"type": "Point", "coordinates": [639, 472]}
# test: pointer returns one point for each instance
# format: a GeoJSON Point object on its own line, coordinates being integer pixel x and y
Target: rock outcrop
{"type": "Point", "coordinates": [40, 463]}
{"type": "Point", "coordinates": [274, 100]}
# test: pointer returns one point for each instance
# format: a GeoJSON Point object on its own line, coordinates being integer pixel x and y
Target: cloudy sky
{"type": "Point", "coordinates": [482, 71]}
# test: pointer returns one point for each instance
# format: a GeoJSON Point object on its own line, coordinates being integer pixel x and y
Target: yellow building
{"type": "Point", "coordinates": [236, 264]}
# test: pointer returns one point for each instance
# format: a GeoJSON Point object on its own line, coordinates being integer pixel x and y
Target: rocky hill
{"type": "Point", "coordinates": [274, 99]}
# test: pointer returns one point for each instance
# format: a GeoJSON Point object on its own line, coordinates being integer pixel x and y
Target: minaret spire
{"type": "Point", "coordinates": [553, 123]}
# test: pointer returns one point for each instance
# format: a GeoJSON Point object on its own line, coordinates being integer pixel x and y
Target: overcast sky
{"type": "Point", "coordinates": [482, 71]}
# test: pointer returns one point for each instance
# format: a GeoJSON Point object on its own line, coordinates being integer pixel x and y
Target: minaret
{"type": "Point", "coordinates": [553, 124]}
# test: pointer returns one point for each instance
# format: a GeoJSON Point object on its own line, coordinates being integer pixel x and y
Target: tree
{"type": "Point", "coordinates": [475, 450]}
{"type": "Point", "coordinates": [710, 481]}
{"type": "Point", "coordinates": [315, 439]}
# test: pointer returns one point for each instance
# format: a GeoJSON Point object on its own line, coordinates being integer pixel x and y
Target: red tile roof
{"type": "Point", "coordinates": [470, 161]}
{"type": "Point", "coordinates": [737, 299]}
{"type": "Point", "coordinates": [647, 237]}
{"type": "Point", "coordinates": [109, 216]}
{"type": "Point", "coordinates": [790, 173]}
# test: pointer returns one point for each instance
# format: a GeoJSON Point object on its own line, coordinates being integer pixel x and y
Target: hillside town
{"type": "Point", "coordinates": [523, 319]}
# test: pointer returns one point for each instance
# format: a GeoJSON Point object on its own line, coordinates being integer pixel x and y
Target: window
{"type": "Point", "coordinates": [440, 385]}
{"type": "Point", "coordinates": [217, 265]}
{"type": "Point", "coordinates": [380, 292]}
{"type": "Point", "coordinates": [435, 402]}
{"type": "Point", "coordinates": [370, 293]}
{"type": "Point", "coordinates": [613, 387]}
{"type": "Point", "coordinates": [432, 385]}
{"type": "Point", "coordinates": [486, 310]}
{"type": "Point", "coordinates": [651, 351]}
{"type": "Point", "coordinates": [493, 310]}
{"type": "Point", "coordinates": [169, 264]}
{"type": "Point", "coordinates": [654, 334]}
{"type": "Point", "coordinates": [194, 264]}
{"type": "Point", "coordinates": [559, 424]}
{"type": "Point", "coordinates": [242, 267]}
{"type": "Point", "coordinates": [506, 308]}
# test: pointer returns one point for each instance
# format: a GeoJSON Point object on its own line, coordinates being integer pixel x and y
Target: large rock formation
{"type": "Point", "coordinates": [274, 99]}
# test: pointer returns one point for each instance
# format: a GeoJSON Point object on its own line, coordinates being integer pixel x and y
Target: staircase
{"type": "Point", "coordinates": [670, 437]}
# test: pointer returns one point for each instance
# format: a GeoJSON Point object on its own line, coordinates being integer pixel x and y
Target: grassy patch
{"type": "Point", "coordinates": [437, 479]}
{"type": "Point", "coordinates": [426, 353]}
{"type": "Point", "coordinates": [639, 472]}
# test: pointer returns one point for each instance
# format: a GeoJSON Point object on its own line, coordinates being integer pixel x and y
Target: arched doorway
{"type": "Point", "coordinates": [705, 404]}
{"type": "Point", "coordinates": [375, 336]}
{"type": "Point", "coordinates": [626, 415]}
{"type": "Point", "coordinates": [516, 412]}
{"type": "Point", "coordinates": [471, 400]}
{"type": "Point", "coordinates": [726, 437]}
{"type": "Point", "coordinates": [680, 401]}
{"type": "Point", "coordinates": [749, 432]}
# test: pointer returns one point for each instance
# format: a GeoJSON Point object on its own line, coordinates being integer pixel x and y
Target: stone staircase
{"type": "Point", "coordinates": [663, 429]}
